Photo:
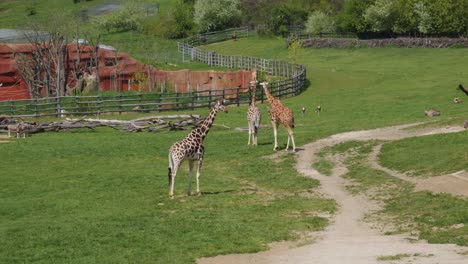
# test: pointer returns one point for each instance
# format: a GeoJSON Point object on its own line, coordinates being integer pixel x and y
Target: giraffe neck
{"type": "Point", "coordinates": [254, 95]}
{"type": "Point", "coordinates": [204, 128]}
{"type": "Point", "coordinates": [270, 97]}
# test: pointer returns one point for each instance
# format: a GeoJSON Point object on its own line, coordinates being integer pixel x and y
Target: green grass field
{"type": "Point", "coordinates": [101, 196]}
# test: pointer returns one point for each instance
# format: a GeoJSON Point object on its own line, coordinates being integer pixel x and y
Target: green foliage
{"type": "Point", "coordinates": [425, 18]}
{"type": "Point", "coordinates": [318, 22]}
{"type": "Point", "coordinates": [178, 23]}
{"type": "Point", "coordinates": [126, 19]}
{"type": "Point", "coordinates": [295, 51]}
{"type": "Point", "coordinates": [380, 15]}
{"type": "Point", "coordinates": [351, 18]}
{"type": "Point", "coordinates": [445, 17]}
{"type": "Point", "coordinates": [212, 15]}
{"type": "Point", "coordinates": [282, 16]}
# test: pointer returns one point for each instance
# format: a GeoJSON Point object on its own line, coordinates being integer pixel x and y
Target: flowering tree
{"type": "Point", "coordinates": [318, 22]}
{"type": "Point", "coordinates": [213, 15]}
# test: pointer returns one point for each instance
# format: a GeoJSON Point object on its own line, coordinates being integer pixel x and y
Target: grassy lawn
{"type": "Point", "coordinates": [102, 196]}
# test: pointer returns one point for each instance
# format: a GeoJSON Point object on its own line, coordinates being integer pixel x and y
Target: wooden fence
{"type": "Point", "coordinates": [292, 81]}
{"type": "Point", "coordinates": [143, 102]}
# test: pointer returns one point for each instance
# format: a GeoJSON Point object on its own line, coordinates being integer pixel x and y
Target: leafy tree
{"type": "Point", "coordinates": [318, 22]}
{"type": "Point", "coordinates": [295, 51]}
{"type": "Point", "coordinates": [380, 15]}
{"type": "Point", "coordinates": [352, 17]}
{"type": "Point", "coordinates": [406, 20]}
{"type": "Point", "coordinates": [211, 15]}
{"type": "Point", "coordinates": [282, 16]}
{"type": "Point", "coordinates": [129, 18]}
{"type": "Point", "coordinates": [448, 16]}
{"type": "Point", "coordinates": [178, 23]}
{"type": "Point", "coordinates": [424, 18]}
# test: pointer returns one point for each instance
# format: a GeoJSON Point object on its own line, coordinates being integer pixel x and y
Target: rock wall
{"type": "Point", "coordinates": [381, 43]}
{"type": "Point", "coordinates": [115, 71]}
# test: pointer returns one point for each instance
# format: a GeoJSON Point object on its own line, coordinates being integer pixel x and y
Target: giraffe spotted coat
{"type": "Point", "coordinates": [191, 148]}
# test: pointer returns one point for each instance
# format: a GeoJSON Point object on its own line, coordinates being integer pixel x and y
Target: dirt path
{"type": "Point", "coordinates": [349, 240]}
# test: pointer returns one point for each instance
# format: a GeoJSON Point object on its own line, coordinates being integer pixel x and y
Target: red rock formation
{"type": "Point", "coordinates": [115, 71]}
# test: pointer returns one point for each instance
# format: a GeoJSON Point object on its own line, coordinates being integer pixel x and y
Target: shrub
{"type": "Point", "coordinates": [318, 22]}
{"type": "Point", "coordinates": [211, 15]}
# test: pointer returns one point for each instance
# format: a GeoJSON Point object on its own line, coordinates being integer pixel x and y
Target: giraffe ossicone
{"type": "Point", "coordinates": [191, 148]}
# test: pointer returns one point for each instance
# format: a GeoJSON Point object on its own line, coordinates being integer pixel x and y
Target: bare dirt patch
{"type": "Point", "coordinates": [349, 239]}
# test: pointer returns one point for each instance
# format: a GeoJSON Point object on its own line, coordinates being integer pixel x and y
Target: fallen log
{"type": "Point", "coordinates": [150, 124]}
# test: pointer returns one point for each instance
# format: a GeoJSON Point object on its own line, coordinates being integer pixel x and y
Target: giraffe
{"type": "Point", "coordinates": [253, 116]}
{"type": "Point", "coordinates": [191, 148]}
{"type": "Point", "coordinates": [280, 114]}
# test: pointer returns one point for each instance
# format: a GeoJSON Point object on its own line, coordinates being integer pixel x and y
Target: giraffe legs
{"type": "Point", "coordinates": [250, 132]}
{"type": "Point", "coordinates": [200, 161]}
{"type": "Point", "coordinates": [290, 136]}
{"type": "Point", "coordinates": [189, 190]}
{"type": "Point", "coordinates": [275, 133]}
{"type": "Point", "coordinates": [173, 173]}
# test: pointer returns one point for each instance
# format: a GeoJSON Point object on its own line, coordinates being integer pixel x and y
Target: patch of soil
{"type": "Point", "coordinates": [348, 239]}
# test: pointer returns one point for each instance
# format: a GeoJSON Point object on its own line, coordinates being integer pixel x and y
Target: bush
{"type": "Point", "coordinates": [318, 22]}
{"type": "Point", "coordinates": [129, 18]}
{"type": "Point", "coordinates": [212, 15]}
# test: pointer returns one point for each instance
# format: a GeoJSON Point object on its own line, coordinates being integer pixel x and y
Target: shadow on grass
{"type": "Point", "coordinates": [217, 192]}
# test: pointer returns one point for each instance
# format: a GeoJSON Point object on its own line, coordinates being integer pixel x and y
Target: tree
{"type": "Point", "coordinates": [48, 66]}
{"type": "Point", "coordinates": [128, 18]}
{"type": "Point", "coordinates": [178, 23]}
{"type": "Point", "coordinates": [424, 18]}
{"type": "Point", "coordinates": [405, 20]}
{"type": "Point", "coordinates": [295, 51]}
{"type": "Point", "coordinates": [380, 15]}
{"type": "Point", "coordinates": [352, 17]}
{"type": "Point", "coordinates": [318, 22]}
{"type": "Point", "coordinates": [211, 15]}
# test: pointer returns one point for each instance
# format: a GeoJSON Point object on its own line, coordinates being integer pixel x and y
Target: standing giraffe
{"type": "Point", "coordinates": [280, 114]}
{"type": "Point", "coordinates": [191, 148]}
{"type": "Point", "coordinates": [253, 115]}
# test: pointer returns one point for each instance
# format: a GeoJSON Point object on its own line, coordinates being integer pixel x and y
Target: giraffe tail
{"type": "Point", "coordinates": [292, 122]}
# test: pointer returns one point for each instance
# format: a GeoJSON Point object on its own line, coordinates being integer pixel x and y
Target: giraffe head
{"type": "Point", "coordinates": [264, 84]}
{"type": "Point", "coordinates": [253, 83]}
{"type": "Point", "coordinates": [220, 105]}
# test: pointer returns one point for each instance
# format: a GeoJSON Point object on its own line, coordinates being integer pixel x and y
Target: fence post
{"type": "Point", "coordinates": [99, 105]}
{"type": "Point", "coordinates": [12, 107]}
{"type": "Point", "coordinates": [159, 102]}
{"type": "Point", "coordinates": [36, 113]}
{"type": "Point", "coordinates": [209, 100]}
{"type": "Point", "coordinates": [57, 106]}
{"type": "Point", "coordinates": [177, 101]}
{"type": "Point", "coordinates": [120, 104]}
{"type": "Point", "coordinates": [237, 96]}
{"type": "Point", "coordinates": [193, 100]}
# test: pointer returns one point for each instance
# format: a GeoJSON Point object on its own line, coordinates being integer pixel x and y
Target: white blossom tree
{"type": "Point", "coordinates": [318, 22]}
{"type": "Point", "coordinates": [380, 15]}
{"type": "Point", "coordinates": [216, 14]}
